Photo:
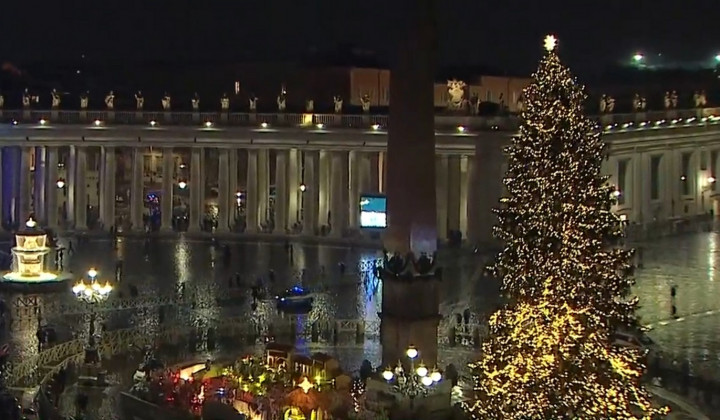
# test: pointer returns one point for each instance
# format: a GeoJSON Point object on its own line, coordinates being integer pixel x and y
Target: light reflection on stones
{"type": "Point", "coordinates": [185, 267]}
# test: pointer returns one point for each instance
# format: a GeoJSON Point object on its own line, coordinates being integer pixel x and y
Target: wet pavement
{"type": "Point", "coordinates": [171, 267]}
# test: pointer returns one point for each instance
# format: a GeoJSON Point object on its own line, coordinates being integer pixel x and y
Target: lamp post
{"type": "Point", "coordinates": [416, 382]}
{"type": "Point", "coordinates": [91, 292]}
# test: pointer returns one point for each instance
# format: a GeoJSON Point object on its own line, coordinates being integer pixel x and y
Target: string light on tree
{"type": "Point", "coordinates": [550, 353]}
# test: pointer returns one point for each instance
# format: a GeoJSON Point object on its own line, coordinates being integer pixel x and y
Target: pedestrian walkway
{"type": "Point", "coordinates": [682, 318]}
{"type": "Point", "coordinates": [674, 400]}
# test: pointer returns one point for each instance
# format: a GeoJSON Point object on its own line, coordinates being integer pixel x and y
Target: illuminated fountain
{"type": "Point", "coordinates": [29, 264]}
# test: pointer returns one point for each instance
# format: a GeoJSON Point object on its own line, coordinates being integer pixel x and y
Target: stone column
{"type": "Point", "coordinates": [293, 188]}
{"type": "Point", "coordinates": [71, 164]}
{"type": "Point", "coordinates": [311, 196]}
{"type": "Point", "coordinates": [107, 185]}
{"type": "Point", "coordinates": [39, 183]}
{"type": "Point", "coordinates": [671, 184]}
{"type": "Point", "coordinates": [469, 195]}
{"type": "Point", "coordinates": [365, 176]}
{"type": "Point", "coordinates": [223, 190]}
{"type": "Point", "coordinates": [168, 167]}
{"type": "Point", "coordinates": [4, 195]}
{"type": "Point", "coordinates": [231, 203]}
{"type": "Point", "coordinates": [441, 186]}
{"type": "Point", "coordinates": [251, 192]}
{"type": "Point", "coordinates": [453, 193]}
{"type": "Point", "coordinates": [281, 192]}
{"type": "Point", "coordinates": [324, 192]}
{"type": "Point", "coordinates": [81, 189]}
{"type": "Point", "coordinates": [373, 173]}
{"type": "Point", "coordinates": [25, 188]}
{"type": "Point", "coordinates": [263, 188]}
{"type": "Point", "coordinates": [137, 202]}
{"type": "Point", "coordinates": [51, 189]}
{"type": "Point", "coordinates": [410, 303]}
{"type": "Point", "coordinates": [197, 192]}
{"type": "Point", "coordinates": [339, 185]}
{"type": "Point", "coordinates": [486, 191]}
{"type": "Point", "coordinates": [354, 183]}
{"type": "Point", "coordinates": [640, 190]}
{"type": "Point", "coordinates": [382, 172]}
{"type": "Point", "coordinates": [464, 190]}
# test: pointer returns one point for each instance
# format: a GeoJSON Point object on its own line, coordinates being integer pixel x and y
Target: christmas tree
{"type": "Point", "coordinates": [550, 353]}
{"type": "Point", "coordinates": [556, 220]}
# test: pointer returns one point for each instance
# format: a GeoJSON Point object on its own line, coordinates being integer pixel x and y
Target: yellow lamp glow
{"type": "Point", "coordinates": [305, 385]}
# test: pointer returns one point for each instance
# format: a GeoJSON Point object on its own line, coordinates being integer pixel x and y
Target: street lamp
{"type": "Point", "coordinates": [638, 58]}
{"type": "Point", "coordinates": [182, 185]}
{"type": "Point", "coordinates": [60, 183]}
{"type": "Point", "coordinates": [303, 187]}
{"type": "Point", "coordinates": [91, 292]}
{"type": "Point", "coordinates": [417, 382]}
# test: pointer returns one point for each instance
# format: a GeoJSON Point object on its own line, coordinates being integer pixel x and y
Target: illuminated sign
{"type": "Point", "coordinates": [373, 211]}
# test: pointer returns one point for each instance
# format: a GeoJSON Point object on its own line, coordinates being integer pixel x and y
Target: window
{"type": "Point", "coordinates": [685, 173]}
{"type": "Point", "coordinates": [703, 160]}
{"type": "Point", "coordinates": [655, 162]}
{"type": "Point", "coordinates": [622, 180]}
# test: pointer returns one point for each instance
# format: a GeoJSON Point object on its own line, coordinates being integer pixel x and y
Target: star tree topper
{"type": "Point", "coordinates": [550, 43]}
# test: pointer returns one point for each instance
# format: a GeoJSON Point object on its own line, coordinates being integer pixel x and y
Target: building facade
{"type": "Point", "coordinates": [289, 179]}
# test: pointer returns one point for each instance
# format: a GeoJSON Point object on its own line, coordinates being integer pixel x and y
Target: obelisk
{"type": "Point", "coordinates": [410, 295]}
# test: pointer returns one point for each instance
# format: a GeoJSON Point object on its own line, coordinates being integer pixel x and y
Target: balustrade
{"type": "Point", "coordinates": [316, 121]}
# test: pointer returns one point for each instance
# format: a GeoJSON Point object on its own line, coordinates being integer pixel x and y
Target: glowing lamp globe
{"type": "Point", "coordinates": [435, 376]}
{"type": "Point", "coordinates": [182, 185]}
{"type": "Point", "coordinates": [426, 381]}
{"type": "Point", "coordinates": [422, 371]}
{"type": "Point", "coordinates": [411, 352]}
{"type": "Point", "coordinates": [388, 374]}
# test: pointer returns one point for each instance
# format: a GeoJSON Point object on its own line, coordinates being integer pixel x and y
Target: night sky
{"type": "Point", "coordinates": [504, 34]}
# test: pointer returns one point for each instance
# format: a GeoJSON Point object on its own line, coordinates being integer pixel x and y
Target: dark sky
{"type": "Point", "coordinates": [504, 34]}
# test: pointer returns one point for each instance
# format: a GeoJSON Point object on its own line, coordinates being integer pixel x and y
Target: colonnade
{"type": "Point", "coordinates": [252, 190]}
{"type": "Point", "coordinates": [657, 185]}
{"type": "Point", "coordinates": [309, 192]}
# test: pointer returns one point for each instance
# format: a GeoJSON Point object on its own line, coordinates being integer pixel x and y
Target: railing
{"type": "Point", "coordinates": [321, 121]}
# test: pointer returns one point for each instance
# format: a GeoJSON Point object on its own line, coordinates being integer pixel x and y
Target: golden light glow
{"type": "Point", "coordinates": [550, 42]}
{"type": "Point", "coordinates": [550, 353]}
{"type": "Point", "coordinates": [305, 385]}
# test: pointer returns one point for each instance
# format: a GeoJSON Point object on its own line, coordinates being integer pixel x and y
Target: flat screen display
{"type": "Point", "coordinates": [373, 211]}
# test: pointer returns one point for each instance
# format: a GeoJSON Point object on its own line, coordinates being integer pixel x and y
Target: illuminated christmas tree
{"type": "Point", "coordinates": [550, 353]}
{"type": "Point", "coordinates": [556, 220]}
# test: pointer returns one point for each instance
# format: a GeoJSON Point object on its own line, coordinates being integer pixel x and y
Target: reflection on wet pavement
{"type": "Point", "coordinates": [176, 267]}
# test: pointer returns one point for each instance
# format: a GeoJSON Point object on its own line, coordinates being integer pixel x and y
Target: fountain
{"type": "Point", "coordinates": [29, 264]}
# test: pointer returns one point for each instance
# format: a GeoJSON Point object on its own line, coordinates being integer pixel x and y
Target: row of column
{"type": "Point", "coordinates": [660, 185]}
{"type": "Point", "coordinates": [316, 189]}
